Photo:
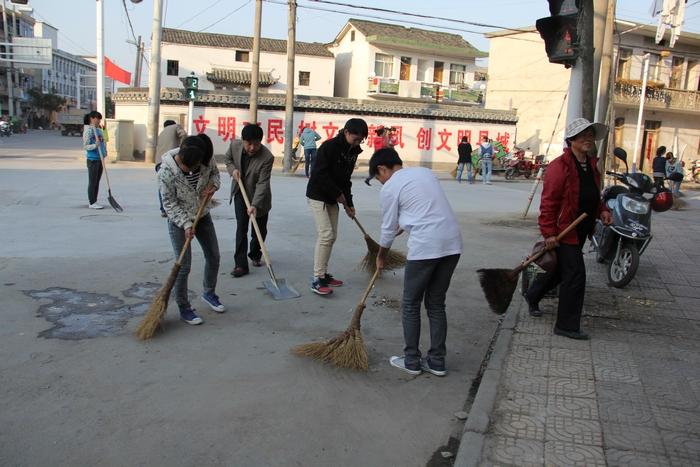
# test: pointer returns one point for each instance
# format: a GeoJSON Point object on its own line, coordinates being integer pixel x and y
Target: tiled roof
{"type": "Point", "coordinates": [327, 104]}
{"type": "Point", "coordinates": [228, 41]}
{"type": "Point", "coordinates": [223, 76]}
{"type": "Point", "coordinates": [421, 38]}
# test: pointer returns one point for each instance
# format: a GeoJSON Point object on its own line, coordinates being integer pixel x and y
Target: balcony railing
{"type": "Point", "coordinates": [392, 87]}
{"type": "Point", "coordinates": [659, 98]}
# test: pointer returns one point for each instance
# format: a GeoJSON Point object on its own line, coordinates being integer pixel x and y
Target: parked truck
{"type": "Point", "coordinates": [71, 122]}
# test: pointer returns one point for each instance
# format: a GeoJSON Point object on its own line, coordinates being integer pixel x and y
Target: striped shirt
{"type": "Point", "coordinates": [192, 178]}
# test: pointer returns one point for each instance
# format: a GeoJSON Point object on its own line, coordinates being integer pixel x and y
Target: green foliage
{"type": "Point", "coordinates": [50, 102]}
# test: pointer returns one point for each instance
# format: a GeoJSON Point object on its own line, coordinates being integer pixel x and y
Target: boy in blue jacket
{"type": "Point", "coordinates": [94, 143]}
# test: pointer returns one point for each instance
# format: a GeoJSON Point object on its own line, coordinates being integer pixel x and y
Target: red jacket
{"type": "Point", "coordinates": [559, 203]}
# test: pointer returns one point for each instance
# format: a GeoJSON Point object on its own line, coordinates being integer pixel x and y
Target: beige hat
{"type": "Point", "coordinates": [580, 124]}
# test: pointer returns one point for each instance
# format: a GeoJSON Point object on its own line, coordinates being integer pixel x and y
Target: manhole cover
{"type": "Point", "coordinates": [105, 218]}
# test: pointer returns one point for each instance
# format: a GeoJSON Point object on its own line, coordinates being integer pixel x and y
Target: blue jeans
{"type": "Point", "coordinates": [309, 156]}
{"type": "Point", "coordinates": [206, 236]}
{"type": "Point", "coordinates": [460, 168]}
{"type": "Point", "coordinates": [427, 281]}
{"type": "Point", "coordinates": [486, 165]}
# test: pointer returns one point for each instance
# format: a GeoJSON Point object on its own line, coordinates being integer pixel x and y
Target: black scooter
{"type": "Point", "coordinates": [622, 243]}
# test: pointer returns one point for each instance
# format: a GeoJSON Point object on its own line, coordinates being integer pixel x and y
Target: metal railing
{"type": "Point", "coordinates": [390, 86]}
{"type": "Point", "coordinates": [672, 99]}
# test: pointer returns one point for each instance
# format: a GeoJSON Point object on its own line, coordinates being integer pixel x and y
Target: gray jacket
{"type": "Point", "coordinates": [180, 200]}
{"type": "Point", "coordinates": [170, 138]}
{"type": "Point", "coordinates": [256, 179]}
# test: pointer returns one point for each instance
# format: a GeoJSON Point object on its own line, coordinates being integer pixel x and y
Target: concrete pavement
{"type": "Point", "coordinates": [78, 389]}
{"type": "Point", "coordinates": [628, 397]}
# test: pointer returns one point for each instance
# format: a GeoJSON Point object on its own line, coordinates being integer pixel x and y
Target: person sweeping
{"type": "Point", "coordinates": [412, 200]}
{"type": "Point", "coordinates": [186, 177]}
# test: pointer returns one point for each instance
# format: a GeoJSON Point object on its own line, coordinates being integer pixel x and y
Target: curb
{"type": "Point", "coordinates": [479, 418]}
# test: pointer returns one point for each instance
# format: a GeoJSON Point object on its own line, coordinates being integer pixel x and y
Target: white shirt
{"type": "Point", "coordinates": [413, 200]}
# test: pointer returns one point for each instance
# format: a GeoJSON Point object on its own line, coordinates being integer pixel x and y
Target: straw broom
{"type": "Point", "coordinates": [151, 321]}
{"type": "Point", "coordinates": [394, 259]}
{"type": "Point", "coordinates": [499, 284]}
{"type": "Point", "coordinates": [347, 350]}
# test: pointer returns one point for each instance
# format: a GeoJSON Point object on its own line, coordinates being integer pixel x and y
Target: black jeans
{"type": "Point", "coordinates": [242, 222]}
{"type": "Point", "coordinates": [94, 176]}
{"type": "Point", "coordinates": [426, 280]}
{"type": "Point", "coordinates": [205, 233]}
{"type": "Point", "coordinates": [309, 159]}
{"type": "Point", "coordinates": [570, 274]}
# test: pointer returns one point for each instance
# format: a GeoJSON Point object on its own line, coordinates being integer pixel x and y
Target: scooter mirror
{"type": "Point", "coordinates": [620, 154]}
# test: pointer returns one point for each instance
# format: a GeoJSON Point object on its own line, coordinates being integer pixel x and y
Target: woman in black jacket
{"type": "Point", "coordinates": [465, 160]}
{"type": "Point", "coordinates": [659, 166]}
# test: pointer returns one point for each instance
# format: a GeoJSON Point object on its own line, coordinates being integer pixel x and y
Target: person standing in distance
{"type": "Point", "coordinates": [94, 143]}
{"type": "Point", "coordinates": [412, 200]}
{"type": "Point", "coordinates": [329, 185]}
{"type": "Point", "coordinates": [465, 160]}
{"type": "Point", "coordinates": [170, 138]}
{"type": "Point", "coordinates": [308, 139]}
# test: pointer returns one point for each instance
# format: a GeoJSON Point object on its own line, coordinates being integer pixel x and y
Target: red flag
{"type": "Point", "coordinates": [116, 73]}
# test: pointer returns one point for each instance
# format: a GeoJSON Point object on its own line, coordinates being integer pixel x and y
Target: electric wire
{"type": "Point", "coordinates": [224, 17]}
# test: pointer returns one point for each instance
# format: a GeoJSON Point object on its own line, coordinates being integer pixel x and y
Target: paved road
{"type": "Point", "coordinates": [78, 389]}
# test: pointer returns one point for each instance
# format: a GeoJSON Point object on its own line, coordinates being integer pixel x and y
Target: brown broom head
{"type": "Point", "coordinates": [346, 350]}
{"type": "Point", "coordinates": [394, 259]}
{"type": "Point", "coordinates": [151, 321]}
{"type": "Point", "coordinates": [498, 286]}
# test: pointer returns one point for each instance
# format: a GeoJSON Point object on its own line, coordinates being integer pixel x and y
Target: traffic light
{"type": "Point", "coordinates": [192, 82]}
{"type": "Point", "coordinates": [560, 33]}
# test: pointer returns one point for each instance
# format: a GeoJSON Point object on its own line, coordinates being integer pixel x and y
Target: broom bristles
{"type": "Point", "coordinates": [394, 259]}
{"type": "Point", "coordinates": [498, 286]}
{"type": "Point", "coordinates": [346, 350]}
{"type": "Point", "coordinates": [153, 317]}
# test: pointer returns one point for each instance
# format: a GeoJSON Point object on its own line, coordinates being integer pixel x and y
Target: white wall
{"type": "Point", "coordinates": [422, 141]}
{"type": "Point", "coordinates": [201, 60]}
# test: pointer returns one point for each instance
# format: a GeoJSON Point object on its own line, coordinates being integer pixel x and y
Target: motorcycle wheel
{"type": "Point", "coordinates": [624, 266]}
{"type": "Point", "coordinates": [509, 173]}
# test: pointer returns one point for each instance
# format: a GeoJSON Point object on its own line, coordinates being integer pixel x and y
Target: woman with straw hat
{"type": "Point", "coordinates": [571, 188]}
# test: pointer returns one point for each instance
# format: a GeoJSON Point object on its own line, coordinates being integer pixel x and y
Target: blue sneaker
{"type": "Point", "coordinates": [211, 299]}
{"type": "Point", "coordinates": [189, 317]}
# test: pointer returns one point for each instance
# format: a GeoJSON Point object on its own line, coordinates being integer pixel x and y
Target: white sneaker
{"type": "Point", "coordinates": [399, 363]}
{"type": "Point", "coordinates": [96, 206]}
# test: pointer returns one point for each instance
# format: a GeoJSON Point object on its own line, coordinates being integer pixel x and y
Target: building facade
{"type": "Point", "coordinates": [385, 61]}
{"type": "Point", "coordinates": [522, 79]}
{"type": "Point", "coordinates": [19, 24]}
{"type": "Point", "coordinates": [224, 62]}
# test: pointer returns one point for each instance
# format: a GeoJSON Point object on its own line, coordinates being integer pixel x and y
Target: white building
{"type": "Point", "coordinates": [69, 73]}
{"type": "Point", "coordinates": [223, 62]}
{"type": "Point", "coordinates": [521, 78]}
{"type": "Point", "coordinates": [379, 60]}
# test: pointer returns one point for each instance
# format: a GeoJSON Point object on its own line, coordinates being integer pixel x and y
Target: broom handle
{"type": "Point", "coordinates": [257, 232]}
{"type": "Point", "coordinates": [197, 216]}
{"type": "Point", "coordinates": [360, 226]}
{"type": "Point", "coordinates": [563, 234]}
{"type": "Point", "coordinates": [355, 321]}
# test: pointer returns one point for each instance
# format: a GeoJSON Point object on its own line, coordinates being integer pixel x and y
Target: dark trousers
{"type": "Point", "coordinates": [205, 233]}
{"type": "Point", "coordinates": [160, 198]}
{"type": "Point", "coordinates": [570, 275]}
{"type": "Point", "coordinates": [426, 281]}
{"type": "Point", "coordinates": [94, 176]}
{"type": "Point", "coordinates": [309, 157]}
{"type": "Point", "coordinates": [242, 222]}
{"type": "Point", "coordinates": [659, 182]}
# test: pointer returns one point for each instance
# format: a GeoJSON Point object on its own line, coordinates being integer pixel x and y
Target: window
{"type": "Point", "coordinates": [304, 78]}
{"type": "Point", "coordinates": [173, 67]}
{"type": "Point", "coordinates": [383, 65]}
{"type": "Point", "coordinates": [457, 73]}
{"type": "Point", "coordinates": [437, 72]}
{"type": "Point", "coordinates": [624, 63]}
{"type": "Point", "coordinates": [405, 71]}
{"type": "Point", "coordinates": [352, 36]}
{"type": "Point", "coordinates": [242, 55]}
{"type": "Point", "coordinates": [677, 73]}
{"type": "Point", "coordinates": [654, 67]}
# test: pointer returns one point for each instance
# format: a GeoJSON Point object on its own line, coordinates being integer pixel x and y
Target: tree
{"type": "Point", "coordinates": [50, 102]}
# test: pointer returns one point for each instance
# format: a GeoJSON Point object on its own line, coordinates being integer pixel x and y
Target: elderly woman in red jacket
{"type": "Point", "coordinates": [571, 187]}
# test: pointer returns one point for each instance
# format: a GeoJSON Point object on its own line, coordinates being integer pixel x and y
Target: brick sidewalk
{"type": "Point", "coordinates": [628, 397]}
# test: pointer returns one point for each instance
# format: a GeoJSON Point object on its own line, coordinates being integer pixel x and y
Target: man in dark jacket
{"type": "Point", "coordinates": [465, 160]}
{"type": "Point", "coordinates": [659, 166]}
{"type": "Point", "coordinates": [330, 185]}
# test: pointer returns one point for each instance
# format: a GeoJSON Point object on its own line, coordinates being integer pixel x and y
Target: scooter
{"type": "Point", "coordinates": [623, 242]}
{"type": "Point", "coordinates": [5, 129]}
{"type": "Point", "coordinates": [518, 165]}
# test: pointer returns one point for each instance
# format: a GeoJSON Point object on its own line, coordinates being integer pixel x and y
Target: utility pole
{"type": "Point", "coordinates": [154, 83]}
{"type": "Point", "coordinates": [10, 90]}
{"type": "Point", "coordinates": [642, 97]}
{"type": "Point", "coordinates": [587, 88]}
{"type": "Point", "coordinates": [100, 80]}
{"type": "Point", "coordinates": [289, 101]}
{"type": "Point", "coordinates": [604, 109]}
{"type": "Point", "coordinates": [255, 73]}
{"type": "Point", "coordinates": [137, 67]}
